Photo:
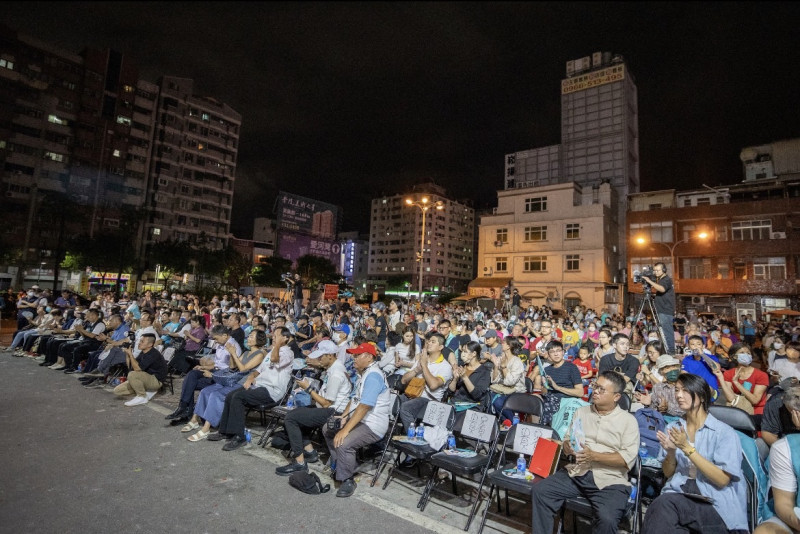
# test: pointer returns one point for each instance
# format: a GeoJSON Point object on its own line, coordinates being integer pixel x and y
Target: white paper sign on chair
{"type": "Point", "coordinates": [526, 437]}
{"type": "Point", "coordinates": [478, 425]}
{"type": "Point", "coordinates": [437, 414]}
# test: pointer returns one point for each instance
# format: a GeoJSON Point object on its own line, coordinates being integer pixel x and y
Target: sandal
{"type": "Point", "coordinates": [199, 436]}
{"type": "Point", "coordinates": [191, 425]}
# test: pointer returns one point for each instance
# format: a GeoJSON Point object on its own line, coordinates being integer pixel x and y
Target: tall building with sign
{"type": "Point", "coordinates": [306, 226]}
{"type": "Point", "coordinates": [599, 135]}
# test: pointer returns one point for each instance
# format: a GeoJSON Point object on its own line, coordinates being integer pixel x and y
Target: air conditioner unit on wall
{"type": "Point", "coordinates": [698, 300]}
{"type": "Point", "coordinates": [777, 235]}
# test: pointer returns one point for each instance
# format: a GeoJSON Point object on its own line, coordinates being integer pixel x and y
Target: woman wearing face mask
{"type": "Point", "coordinates": [744, 380]}
{"type": "Point", "coordinates": [778, 350]}
{"type": "Point", "coordinates": [662, 397]}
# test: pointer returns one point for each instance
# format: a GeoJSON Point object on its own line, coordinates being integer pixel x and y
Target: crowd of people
{"type": "Point", "coordinates": [339, 363]}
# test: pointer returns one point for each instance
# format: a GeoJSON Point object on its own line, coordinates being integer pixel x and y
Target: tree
{"type": "Point", "coordinates": [269, 272]}
{"type": "Point", "coordinates": [173, 256]}
{"type": "Point", "coordinates": [317, 270]}
{"type": "Point", "coordinates": [238, 268]}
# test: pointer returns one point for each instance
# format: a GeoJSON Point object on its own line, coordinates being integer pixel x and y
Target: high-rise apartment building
{"type": "Point", "coordinates": [194, 164]}
{"type": "Point", "coordinates": [396, 234]}
{"type": "Point", "coordinates": [599, 134]}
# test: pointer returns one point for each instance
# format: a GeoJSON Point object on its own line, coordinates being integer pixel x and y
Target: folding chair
{"type": "Point", "coordinates": [274, 417]}
{"type": "Point", "coordinates": [523, 403]}
{"type": "Point", "coordinates": [436, 414]}
{"type": "Point", "coordinates": [520, 439]}
{"type": "Point", "coordinates": [474, 426]}
{"type": "Point", "coordinates": [579, 506]}
{"type": "Point", "coordinates": [388, 437]}
{"type": "Point", "coordinates": [624, 402]}
{"type": "Point", "coordinates": [735, 418]}
{"type": "Point", "coordinates": [263, 411]}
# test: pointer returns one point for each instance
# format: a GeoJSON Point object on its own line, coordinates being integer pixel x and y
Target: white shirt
{"type": "Point", "coordinates": [440, 368]}
{"type": "Point", "coordinates": [336, 386]}
{"type": "Point", "coordinates": [781, 473]}
{"type": "Point", "coordinates": [275, 376]}
{"type": "Point", "coordinates": [786, 368]}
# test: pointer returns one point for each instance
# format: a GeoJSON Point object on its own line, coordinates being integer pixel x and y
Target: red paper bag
{"type": "Point", "coordinates": [545, 458]}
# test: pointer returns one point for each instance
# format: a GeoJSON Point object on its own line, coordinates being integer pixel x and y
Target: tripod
{"type": "Point", "coordinates": [648, 301]}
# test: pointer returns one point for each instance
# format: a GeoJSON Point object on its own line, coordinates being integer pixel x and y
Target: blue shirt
{"type": "Point", "coordinates": [718, 443]}
{"type": "Point", "coordinates": [120, 333]}
{"type": "Point", "coordinates": [700, 368]}
{"type": "Point", "coordinates": [373, 386]}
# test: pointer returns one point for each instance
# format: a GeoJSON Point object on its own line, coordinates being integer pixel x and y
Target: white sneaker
{"type": "Point", "coordinates": [136, 401]}
{"type": "Point", "coordinates": [150, 394]}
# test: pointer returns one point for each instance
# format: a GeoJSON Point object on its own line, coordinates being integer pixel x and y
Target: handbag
{"type": "Point", "coordinates": [308, 483]}
{"type": "Point", "coordinates": [228, 378]}
{"type": "Point", "coordinates": [741, 402]}
{"type": "Point", "coordinates": [503, 389]}
{"type": "Point", "coordinates": [415, 388]}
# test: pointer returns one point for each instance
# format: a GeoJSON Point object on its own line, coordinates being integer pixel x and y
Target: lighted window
{"type": "Point", "coordinates": [533, 264]}
{"type": "Point", "coordinates": [55, 119]}
{"type": "Point", "coordinates": [535, 204]}
{"type": "Point", "coordinates": [751, 230]}
{"type": "Point", "coordinates": [6, 64]}
{"type": "Point", "coordinates": [573, 231]}
{"type": "Point", "coordinates": [502, 235]}
{"type": "Point", "coordinates": [123, 120]}
{"type": "Point", "coordinates": [156, 231]}
{"type": "Point", "coordinates": [501, 264]}
{"type": "Point", "coordinates": [116, 153]}
{"type": "Point", "coordinates": [536, 233]}
{"type": "Point", "coordinates": [769, 269]}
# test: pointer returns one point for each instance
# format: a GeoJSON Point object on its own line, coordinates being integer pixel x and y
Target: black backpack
{"type": "Point", "coordinates": [308, 483]}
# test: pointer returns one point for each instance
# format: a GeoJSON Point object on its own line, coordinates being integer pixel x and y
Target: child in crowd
{"type": "Point", "coordinates": [585, 365]}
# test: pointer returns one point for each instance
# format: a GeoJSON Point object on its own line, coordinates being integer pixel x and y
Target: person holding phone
{"type": "Point", "coordinates": [706, 490]}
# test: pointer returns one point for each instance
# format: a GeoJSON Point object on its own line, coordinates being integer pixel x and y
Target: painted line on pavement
{"type": "Point", "coordinates": [412, 516]}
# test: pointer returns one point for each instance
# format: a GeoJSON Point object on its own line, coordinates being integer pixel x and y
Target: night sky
{"type": "Point", "coordinates": [342, 102]}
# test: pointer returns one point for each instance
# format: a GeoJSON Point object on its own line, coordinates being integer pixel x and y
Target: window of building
{"type": "Point", "coordinates": [573, 231]}
{"type": "Point", "coordinates": [502, 235]}
{"type": "Point", "coordinates": [156, 231]}
{"type": "Point", "coordinates": [501, 264]}
{"type": "Point", "coordinates": [535, 233]}
{"type": "Point", "coordinates": [769, 268]}
{"type": "Point", "coordinates": [739, 270]}
{"type": "Point", "coordinates": [723, 270]}
{"type": "Point", "coordinates": [656, 232]}
{"type": "Point", "coordinates": [116, 153]}
{"type": "Point", "coordinates": [750, 230]}
{"type": "Point", "coordinates": [533, 264]}
{"type": "Point", "coordinates": [721, 232]}
{"type": "Point", "coordinates": [704, 201]}
{"type": "Point", "coordinates": [696, 268]}
{"type": "Point", "coordinates": [55, 119]}
{"type": "Point", "coordinates": [123, 120]}
{"type": "Point", "coordinates": [535, 204]}
{"type": "Point", "coordinates": [573, 262]}
{"type": "Point", "coordinates": [6, 64]}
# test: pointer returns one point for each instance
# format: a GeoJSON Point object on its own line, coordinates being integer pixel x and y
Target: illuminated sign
{"type": "Point", "coordinates": [593, 79]}
{"type": "Point", "coordinates": [306, 215]}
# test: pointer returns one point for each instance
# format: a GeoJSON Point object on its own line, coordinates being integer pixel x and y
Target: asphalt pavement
{"type": "Point", "coordinates": [78, 460]}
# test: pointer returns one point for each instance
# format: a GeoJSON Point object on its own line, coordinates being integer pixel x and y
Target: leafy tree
{"type": "Point", "coordinates": [269, 272]}
{"type": "Point", "coordinates": [238, 267]}
{"type": "Point", "coordinates": [173, 256]}
{"type": "Point", "coordinates": [316, 270]}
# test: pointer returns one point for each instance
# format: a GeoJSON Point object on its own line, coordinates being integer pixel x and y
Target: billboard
{"type": "Point", "coordinates": [593, 79]}
{"type": "Point", "coordinates": [292, 245]}
{"type": "Point", "coordinates": [306, 215]}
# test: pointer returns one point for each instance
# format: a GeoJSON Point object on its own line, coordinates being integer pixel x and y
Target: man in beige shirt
{"type": "Point", "coordinates": [604, 439]}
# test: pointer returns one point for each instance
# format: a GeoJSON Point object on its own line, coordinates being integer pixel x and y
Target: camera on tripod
{"type": "Point", "coordinates": [288, 279]}
{"type": "Point", "coordinates": [647, 271]}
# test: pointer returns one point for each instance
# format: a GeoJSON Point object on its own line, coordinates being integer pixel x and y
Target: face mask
{"type": "Point", "coordinates": [48, 309]}
{"type": "Point", "coordinates": [672, 376]}
{"type": "Point", "coordinates": [744, 358]}
{"type": "Point", "coordinates": [778, 346]}
{"type": "Point", "coordinates": [31, 293]}
{"type": "Point", "coordinates": [726, 330]}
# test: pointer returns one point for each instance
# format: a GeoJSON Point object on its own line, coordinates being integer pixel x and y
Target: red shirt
{"type": "Point", "coordinates": [757, 378]}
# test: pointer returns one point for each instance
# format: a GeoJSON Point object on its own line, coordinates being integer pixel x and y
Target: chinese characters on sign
{"type": "Point", "coordinates": [593, 79]}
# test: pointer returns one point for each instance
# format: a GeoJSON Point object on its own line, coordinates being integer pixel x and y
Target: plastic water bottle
{"type": "Point", "coordinates": [515, 420]}
{"type": "Point", "coordinates": [290, 402]}
{"type": "Point", "coordinates": [247, 435]}
{"type": "Point", "coordinates": [451, 441]}
{"type": "Point", "coordinates": [421, 432]}
{"type": "Point", "coordinates": [521, 465]}
{"type": "Point", "coordinates": [643, 451]}
{"type": "Point", "coordinates": [632, 498]}
{"type": "Point", "coordinates": [412, 431]}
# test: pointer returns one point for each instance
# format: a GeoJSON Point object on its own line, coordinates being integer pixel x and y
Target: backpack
{"type": "Point", "coordinates": [650, 421]}
{"type": "Point", "coordinates": [308, 483]}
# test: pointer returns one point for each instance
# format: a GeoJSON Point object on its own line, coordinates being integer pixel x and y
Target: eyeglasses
{"type": "Point", "coordinates": [602, 389]}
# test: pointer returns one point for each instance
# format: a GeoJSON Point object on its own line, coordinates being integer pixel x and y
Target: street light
{"type": "Point", "coordinates": [642, 241]}
{"type": "Point", "coordinates": [424, 204]}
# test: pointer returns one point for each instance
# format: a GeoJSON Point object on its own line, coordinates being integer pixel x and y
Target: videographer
{"type": "Point", "coordinates": [297, 294]}
{"type": "Point", "coordinates": [664, 302]}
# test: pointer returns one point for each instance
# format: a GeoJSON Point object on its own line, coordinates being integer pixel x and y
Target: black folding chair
{"type": "Point", "coordinates": [478, 429]}
{"type": "Point", "coordinates": [393, 418]}
{"type": "Point", "coordinates": [624, 402]}
{"type": "Point", "coordinates": [523, 403]}
{"type": "Point", "coordinates": [263, 411]}
{"type": "Point", "coordinates": [436, 414]}
{"type": "Point", "coordinates": [511, 449]}
{"type": "Point", "coordinates": [736, 418]}
{"type": "Point", "coordinates": [579, 506]}
{"type": "Point", "coordinates": [273, 418]}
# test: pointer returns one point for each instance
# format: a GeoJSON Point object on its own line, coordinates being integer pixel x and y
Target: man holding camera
{"type": "Point", "coordinates": [664, 302]}
{"type": "Point", "coordinates": [297, 294]}
{"type": "Point", "coordinates": [116, 355]}
{"type": "Point", "coordinates": [148, 372]}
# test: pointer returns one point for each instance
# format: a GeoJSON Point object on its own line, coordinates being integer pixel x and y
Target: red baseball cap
{"type": "Point", "coordinates": [364, 347]}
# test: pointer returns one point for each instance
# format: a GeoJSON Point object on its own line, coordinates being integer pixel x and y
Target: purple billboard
{"type": "Point", "coordinates": [306, 215]}
{"type": "Point", "coordinates": [291, 246]}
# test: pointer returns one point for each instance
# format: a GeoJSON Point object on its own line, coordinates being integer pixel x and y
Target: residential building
{"type": "Point", "coordinates": [396, 240]}
{"type": "Point", "coordinates": [194, 166]}
{"type": "Point", "coordinates": [730, 249]}
{"type": "Point", "coordinates": [599, 135]}
{"type": "Point", "coordinates": [557, 244]}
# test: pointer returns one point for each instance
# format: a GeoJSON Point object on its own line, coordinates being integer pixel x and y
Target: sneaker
{"type": "Point", "coordinates": [234, 443]}
{"type": "Point", "coordinates": [293, 467]}
{"type": "Point", "coordinates": [97, 373]}
{"type": "Point", "coordinates": [347, 488]}
{"type": "Point", "coordinates": [150, 394]}
{"type": "Point", "coordinates": [97, 383]}
{"type": "Point", "coordinates": [40, 359]}
{"type": "Point", "coordinates": [58, 367]}
{"type": "Point", "coordinates": [70, 371]}
{"type": "Point", "coordinates": [136, 401]}
{"type": "Point", "coordinates": [311, 457]}
{"type": "Point", "coordinates": [216, 436]}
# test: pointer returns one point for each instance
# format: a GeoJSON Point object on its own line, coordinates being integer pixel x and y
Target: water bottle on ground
{"type": "Point", "coordinates": [643, 451]}
{"type": "Point", "coordinates": [451, 442]}
{"type": "Point", "coordinates": [247, 435]}
{"type": "Point", "coordinates": [521, 465]}
{"type": "Point", "coordinates": [412, 431]}
{"type": "Point", "coordinates": [421, 432]}
{"type": "Point", "coordinates": [515, 420]}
